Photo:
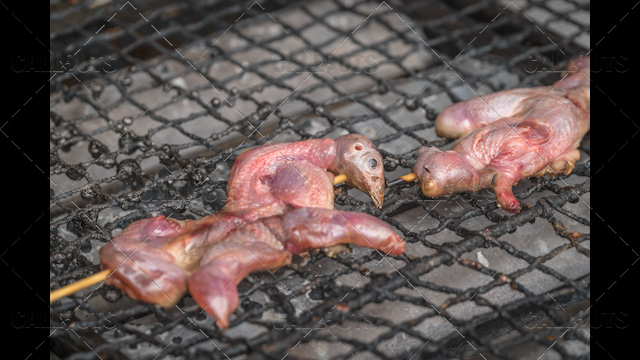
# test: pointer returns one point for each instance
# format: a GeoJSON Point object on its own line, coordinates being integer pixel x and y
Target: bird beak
{"type": "Point", "coordinates": [377, 195]}
{"type": "Point", "coordinates": [377, 200]}
{"type": "Point", "coordinates": [374, 188]}
{"type": "Point", "coordinates": [430, 188]}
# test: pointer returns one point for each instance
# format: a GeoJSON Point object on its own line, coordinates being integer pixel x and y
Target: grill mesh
{"type": "Point", "coordinates": [152, 101]}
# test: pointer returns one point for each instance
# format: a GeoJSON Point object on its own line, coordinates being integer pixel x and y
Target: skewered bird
{"type": "Point", "coordinates": [153, 258]}
{"type": "Point", "coordinates": [508, 136]}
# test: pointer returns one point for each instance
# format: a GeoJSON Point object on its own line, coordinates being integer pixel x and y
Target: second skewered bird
{"type": "Point", "coordinates": [508, 136]}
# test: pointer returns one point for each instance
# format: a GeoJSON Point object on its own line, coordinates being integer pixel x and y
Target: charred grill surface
{"type": "Point", "coordinates": [175, 92]}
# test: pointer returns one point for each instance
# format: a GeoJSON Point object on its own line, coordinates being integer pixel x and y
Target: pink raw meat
{"type": "Point", "coordinates": [514, 134]}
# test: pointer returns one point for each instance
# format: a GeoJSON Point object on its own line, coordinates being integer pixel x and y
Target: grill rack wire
{"type": "Point", "coordinates": [109, 185]}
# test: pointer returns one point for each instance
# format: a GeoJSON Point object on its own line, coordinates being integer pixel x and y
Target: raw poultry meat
{"type": "Point", "coordinates": [463, 117]}
{"type": "Point", "coordinates": [269, 243]}
{"type": "Point", "coordinates": [154, 257]}
{"type": "Point", "coordinates": [510, 135]}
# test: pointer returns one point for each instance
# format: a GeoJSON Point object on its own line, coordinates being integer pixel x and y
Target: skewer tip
{"type": "Point", "coordinates": [402, 179]}
{"type": "Point", "coordinates": [339, 179]}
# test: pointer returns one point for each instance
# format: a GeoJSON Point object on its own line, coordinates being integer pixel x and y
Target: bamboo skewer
{"type": "Point", "coordinates": [339, 179]}
{"type": "Point", "coordinates": [406, 178]}
{"type": "Point", "coordinates": [102, 275]}
{"type": "Point", "coordinates": [78, 285]}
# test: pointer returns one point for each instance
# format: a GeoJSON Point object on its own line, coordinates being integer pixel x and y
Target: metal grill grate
{"type": "Point", "coordinates": [152, 101]}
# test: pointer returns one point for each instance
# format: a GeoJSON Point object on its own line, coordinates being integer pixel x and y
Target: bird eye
{"type": "Point", "coordinates": [373, 163]}
{"type": "Point", "coordinates": [358, 147]}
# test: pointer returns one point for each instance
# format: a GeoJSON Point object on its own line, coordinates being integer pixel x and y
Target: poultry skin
{"type": "Point", "coordinates": [154, 257]}
{"type": "Point", "coordinates": [508, 136]}
{"type": "Point", "coordinates": [270, 242]}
